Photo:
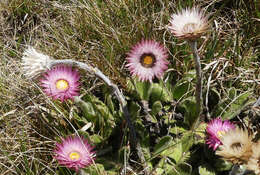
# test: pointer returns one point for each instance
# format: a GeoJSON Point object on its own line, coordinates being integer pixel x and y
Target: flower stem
{"type": "Point", "coordinates": [198, 93]}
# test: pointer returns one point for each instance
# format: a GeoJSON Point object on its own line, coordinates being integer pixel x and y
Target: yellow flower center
{"type": "Point", "coordinates": [220, 133]}
{"type": "Point", "coordinates": [62, 84]}
{"type": "Point", "coordinates": [74, 155]}
{"type": "Point", "coordinates": [147, 60]}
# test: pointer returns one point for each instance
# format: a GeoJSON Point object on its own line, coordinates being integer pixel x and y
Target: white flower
{"type": "Point", "coordinates": [237, 146]}
{"type": "Point", "coordinates": [254, 161]}
{"type": "Point", "coordinates": [34, 62]}
{"type": "Point", "coordinates": [189, 24]}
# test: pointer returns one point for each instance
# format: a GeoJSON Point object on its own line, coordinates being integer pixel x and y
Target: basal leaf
{"type": "Point", "coordinates": [159, 93]}
{"type": "Point", "coordinates": [96, 138]}
{"type": "Point", "coordinates": [156, 107]}
{"type": "Point", "coordinates": [221, 165]}
{"type": "Point", "coordinates": [182, 169]}
{"type": "Point", "coordinates": [163, 144]}
{"type": "Point", "coordinates": [206, 170]}
{"type": "Point", "coordinates": [143, 89]}
{"type": "Point", "coordinates": [180, 89]}
{"type": "Point", "coordinates": [190, 113]}
{"type": "Point", "coordinates": [237, 105]}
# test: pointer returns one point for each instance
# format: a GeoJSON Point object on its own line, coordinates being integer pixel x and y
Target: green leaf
{"type": "Point", "coordinates": [156, 107]}
{"type": "Point", "coordinates": [179, 150]}
{"type": "Point", "coordinates": [200, 133]}
{"type": "Point", "coordinates": [159, 93]}
{"type": "Point", "coordinates": [96, 139]}
{"type": "Point", "coordinates": [159, 171]}
{"type": "Point", "coordinates": [109, 102]}
{"type": "Point", "coordinates": [88, 110]}
{"type": "Point", "coordinates": [145, 145]}
{"type": "Point", "coordinates": [206, 170]}
{"type": "Point", "coordinates": [163, 144]}
{"type": "Point", "coordinates": [187, 141]}
{"type": "Point", "coordinates": [232, 93]}
{"type": "Point", "coordinates": [152, 119]}
{"type": "Point", "coordinates": [134, 109]}
{"type": "Point", "coordinates": [213, 98]}
{"type": "Point", "coordinates": [237, 105]}
{"type": "Point", "coordinates": [177, 130]}
{"type": "Point", "coordinates": [100, 115]}
{"type": "Point", "coordinates": [180, 89]}
{"type": "Point", "coordinates": [139, 89]}
{"type": "Point", "coordinates": [182, 169]}
{"type": "Point", "coordinates": [221, 165]}
{"type": "Point", "coordinates": [143, 89]}
{"type": "Point", "coordinates": [190, 113]}
{"type": "Point", "coordinates": [124, 153]}
{"type": "Point", "coordinates": [96, 169]}
{"type": "Point", "coordinates": [174, 152]}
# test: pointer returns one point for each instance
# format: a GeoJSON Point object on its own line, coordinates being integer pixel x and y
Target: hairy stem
{"type": "Point", "coordinates": [198, 93]}
{"type": "Point", "coordinates": [234, 170]}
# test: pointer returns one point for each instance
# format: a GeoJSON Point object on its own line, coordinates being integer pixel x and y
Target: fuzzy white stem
{"type": "Point", "coordinates": [198, 93]}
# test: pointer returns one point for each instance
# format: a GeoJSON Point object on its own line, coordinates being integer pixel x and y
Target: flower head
{"type": "Point", "coordinates": [189, 24]}
{"type": "Point", "coordinates": [74, 152]}
{"type": "Point", "coordinates": [236, 146]}
{"type": "Point", "coordinates": [147, 59]}
{"type": "Point", "coordinates": [254, 161]}
{"type": "Point", "coordinates": [34, 62]}
{"type": "Point", "coordinates": [215, 129]}
{"type": "Point", "coordinates": [61, 82]}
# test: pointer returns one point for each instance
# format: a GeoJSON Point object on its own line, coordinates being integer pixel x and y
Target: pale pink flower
{"type": "Point", "coordinates": [147, 59]}
{"type": "Point", "coordinates": [215, 129]}
{"type": "Point", "coordinates": [61, 82]}
{"type": "Point", "coordinates": [74, 152]}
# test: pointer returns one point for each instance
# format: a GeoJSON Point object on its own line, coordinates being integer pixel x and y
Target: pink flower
{"type": "Point", "coordinates": [147, 59]}
{"type": "Point", "coordinates": [215, 129]}
{"type": "Point", "coordinates": [74, 152]}
{"type": "Point", "coordinates": [61, 82]}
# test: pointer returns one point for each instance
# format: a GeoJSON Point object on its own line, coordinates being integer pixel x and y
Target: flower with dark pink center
{"type": "Point", "coordinates": [215, 129]}
{"type": "Point", "coordinates": [74, 152]}
{"type": "Point", "coordinates": [147, 59]}
{"type": "Point", "coordinates": [61, 82]}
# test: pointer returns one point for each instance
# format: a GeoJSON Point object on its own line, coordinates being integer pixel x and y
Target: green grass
{"type": "Point", "coordinates": [100, 33]}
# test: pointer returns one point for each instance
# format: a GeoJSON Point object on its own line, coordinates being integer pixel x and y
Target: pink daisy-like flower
{"type": "Point", "coordinates": [61, 82]}
{"type": "Point", "coordinates": [189, 24]}
{"type": "Point", "coordinates": [74, 152]}
{"type": "Point", "coordinates": [147, 59]}
{"type": "Point", "coordinates": [215, 129]}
